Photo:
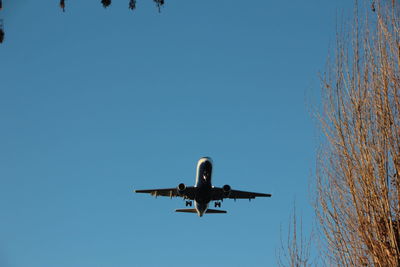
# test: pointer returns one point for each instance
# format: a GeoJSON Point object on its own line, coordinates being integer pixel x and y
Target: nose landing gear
{"type": "Point", "coordinates": [217, 204]}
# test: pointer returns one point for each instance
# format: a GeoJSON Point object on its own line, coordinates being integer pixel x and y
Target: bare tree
{"type": "Point", "coordinates": [358, 186]}
{"type": "Point", "coordinates": [296, 250]}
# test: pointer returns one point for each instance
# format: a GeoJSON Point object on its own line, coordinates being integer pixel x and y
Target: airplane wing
{"type": "Point", "coordinates": [219, 194]}
{"type": "Point", "coordinates": [170, 192]}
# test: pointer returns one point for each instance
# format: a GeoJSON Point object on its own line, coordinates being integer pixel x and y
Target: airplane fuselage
{"type": "Point", "coordinates": [203, 185]}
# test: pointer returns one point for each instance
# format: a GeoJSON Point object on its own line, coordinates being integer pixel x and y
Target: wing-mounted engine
{"type": "Point", "coordinates": [181, 189]}
{"type": "Point", "coordinates": [226, 189]}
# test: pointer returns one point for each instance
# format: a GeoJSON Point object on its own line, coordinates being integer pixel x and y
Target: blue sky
{"type": "Point", "coordinates": [97, 102]}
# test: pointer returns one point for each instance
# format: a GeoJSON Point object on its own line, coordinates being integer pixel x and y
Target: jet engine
{"type": "Point", "coordinates": [226, 189]}
{"type": "Point", "coordinates": [181, 188]}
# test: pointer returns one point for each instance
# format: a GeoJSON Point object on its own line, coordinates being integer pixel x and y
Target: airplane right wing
{"type": "Point", "coordinates": [220, 193]}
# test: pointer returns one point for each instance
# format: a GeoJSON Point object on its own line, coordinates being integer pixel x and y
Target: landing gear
{"type": "Point", "coordinates": [217, 204]}
{"type": "Point", "coordinates": [188, 203]}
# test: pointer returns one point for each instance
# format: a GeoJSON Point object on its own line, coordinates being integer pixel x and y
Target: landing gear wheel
{"type": "Point", "coordinates": [217, 204]}
{"type": "Point", "coordinates": [188, 203]}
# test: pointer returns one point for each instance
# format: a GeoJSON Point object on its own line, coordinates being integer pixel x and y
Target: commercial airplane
{"type": "Point", "coordinates": [203, 192]}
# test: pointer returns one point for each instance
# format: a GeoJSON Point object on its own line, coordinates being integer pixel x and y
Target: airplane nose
{"type": "Point", "coordinates": [207, 158]}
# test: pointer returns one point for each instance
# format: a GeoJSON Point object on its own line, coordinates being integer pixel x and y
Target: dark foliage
{"type": "Point", "coordinates": [106, 3]}
{"type": "Point", "coordinates": [132, 4]}
{"type": "Point", "coordinates": [1, 35]}
{"type": "Point", "coordinates": [62, 5]}
{"type": "Point", "coordinates": [159, 4]}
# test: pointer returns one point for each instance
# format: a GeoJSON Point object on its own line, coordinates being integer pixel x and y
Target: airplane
{"type": "Point", "coordinates": [203, 192]}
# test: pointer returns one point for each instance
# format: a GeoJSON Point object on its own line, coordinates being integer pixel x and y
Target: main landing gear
{"type": "Point", "coordinates": [188, 203]}
{"type": "Point", "coordinates": [217, 204]}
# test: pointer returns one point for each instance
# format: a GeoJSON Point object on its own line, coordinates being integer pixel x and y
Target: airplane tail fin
{"type": "Point", "coordinates": [215, 211]}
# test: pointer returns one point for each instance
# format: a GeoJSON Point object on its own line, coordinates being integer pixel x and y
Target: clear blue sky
{"type": "Point", "coordinates": [96, 102]}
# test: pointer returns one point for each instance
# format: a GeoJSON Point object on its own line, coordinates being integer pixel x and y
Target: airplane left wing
{"type": "Point", "coordinates": [169, 192]}
{"type": "Point", "coordinates": [220, 193]}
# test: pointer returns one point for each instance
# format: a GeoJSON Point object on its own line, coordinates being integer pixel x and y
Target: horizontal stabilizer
{"type": "Point", "coordinates": [195, 211]}
{"type": "Point", "coordinates": [215, 211]}
{"type": "Point", "coordinates": [186, 210]}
